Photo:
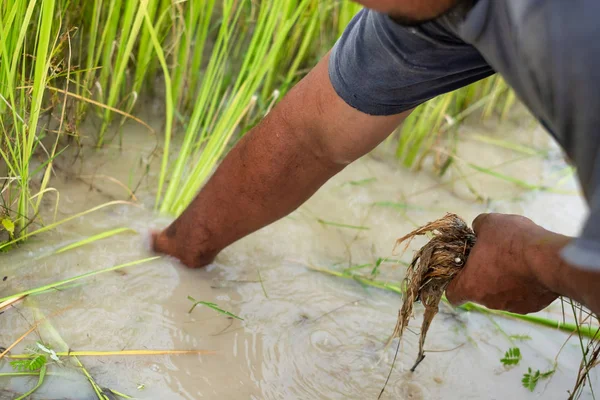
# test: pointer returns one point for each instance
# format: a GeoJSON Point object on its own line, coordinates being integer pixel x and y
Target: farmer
{"type": "Point", "coordinates": [393, 56]}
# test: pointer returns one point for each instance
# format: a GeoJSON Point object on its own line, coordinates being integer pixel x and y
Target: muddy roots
{"type": "Point", "coordinates": [432, 269]}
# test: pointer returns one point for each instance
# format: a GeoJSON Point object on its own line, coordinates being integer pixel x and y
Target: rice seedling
{"type": "Point", "coordinates": [11, 301]}
{"type": "Point", "coordinates": [132, 19]}
{"type": "Point", "coordinates": [506, 144]}
{"type": "Point", "coordinates": [206, 149]}
{"type": "Point", "coordinates": [590, 351]}
{"type": "Point", "coordinates": [14, 374]}
{"type": "Point", "coordinates": [21, 112]}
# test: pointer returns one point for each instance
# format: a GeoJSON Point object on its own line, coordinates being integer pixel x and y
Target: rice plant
{"type": "Point", "coordinates": [223, 65]}
{"type": "Point", "coordinates": [22, 91]}
{"type": "Point", "coordinates": [429, 121]}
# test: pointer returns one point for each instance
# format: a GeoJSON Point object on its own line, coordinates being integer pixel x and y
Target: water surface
{"type": "Point", "coordinates": [304, 334]}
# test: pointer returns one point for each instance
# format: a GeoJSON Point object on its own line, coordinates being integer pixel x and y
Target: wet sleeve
{"type": "Point", "coordinates": [382, 68]}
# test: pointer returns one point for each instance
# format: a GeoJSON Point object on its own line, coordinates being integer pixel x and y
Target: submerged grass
{"type": "Point", "coordinates": [342, 225]}
{"type": "Point", "coordinates": [54, 285]}
{"type": "Point", "coordinates": [212, 306]}
{"type": "Point", "coordinates": [587, 331]}
{"type": "Point", "coordinates": [93, 239]}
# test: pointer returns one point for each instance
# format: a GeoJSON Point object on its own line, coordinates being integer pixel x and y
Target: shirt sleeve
{"type": "Point", "coordinates": [584, 251]}
{"type": "Point", "coordinates": [380, 67]}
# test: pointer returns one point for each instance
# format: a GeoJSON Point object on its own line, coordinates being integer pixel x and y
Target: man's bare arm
{"type": "Point", "coordinates": [311, 135]}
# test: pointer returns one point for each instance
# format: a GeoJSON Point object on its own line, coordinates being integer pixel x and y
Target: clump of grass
{"type": "Point", "coordinates": [432, 269]}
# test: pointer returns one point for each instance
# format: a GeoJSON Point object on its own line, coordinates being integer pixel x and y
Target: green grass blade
{"type": "Point", "coordinates": [93, 239]}
{"type": "Point", "coordinates": [516, 181]}
{"type": "Point", "coordinates": [508, 145]}
{"type": "Point", "coordinates": [76, 278]}
{"type": "Point", "coordinates": [213, 306]}
{"type": "Point", "coordinates": [55, 224]}
{"type": "Point", "coordinates": [169, 105]}
{"type": "Point", "coordinates": [340, 225]}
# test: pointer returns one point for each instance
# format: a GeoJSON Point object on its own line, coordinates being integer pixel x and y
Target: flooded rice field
{"type": "Point", "coordinates": [304, 334]}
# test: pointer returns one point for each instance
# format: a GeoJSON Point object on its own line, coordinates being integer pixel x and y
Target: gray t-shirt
{"type": "Point", "coordinates": [547, 50]}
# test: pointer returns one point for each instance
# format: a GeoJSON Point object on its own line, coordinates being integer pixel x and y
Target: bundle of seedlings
{"type": "Point", "coordinates": [431, 270]}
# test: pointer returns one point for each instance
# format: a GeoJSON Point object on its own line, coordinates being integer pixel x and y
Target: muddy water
{"type": "Point", "coordinates": [304, 335]}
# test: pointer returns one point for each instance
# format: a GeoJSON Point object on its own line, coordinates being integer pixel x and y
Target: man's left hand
{"type": "Point", "coordinates": [500, 271]}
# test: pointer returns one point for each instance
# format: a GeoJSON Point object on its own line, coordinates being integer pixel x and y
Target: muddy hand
{"type": "Point", "coordinates": [500, 271]}
{"type": "Point", "coordinates": [182, 249]}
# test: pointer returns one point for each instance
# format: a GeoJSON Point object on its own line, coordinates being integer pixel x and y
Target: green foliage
{"type": "Point", "coordinates": [429, 121]}
{"type": "Point", "coordinates": [34, 363]}
{"type": "Point", "coordinates": [9, 226]}
{"type": "Point", "coordinates": [531, 379]}
{"type": "Point", "coordinates": [511, 357]}
{"type": "Point", "coordinates": [213, 306]}
{"type": "Point", "coordinates": [223, 64]}
{"type": "Point", "coordinates": [93, 239]}
{"type": "Point", "coordinates": [22, 92]}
